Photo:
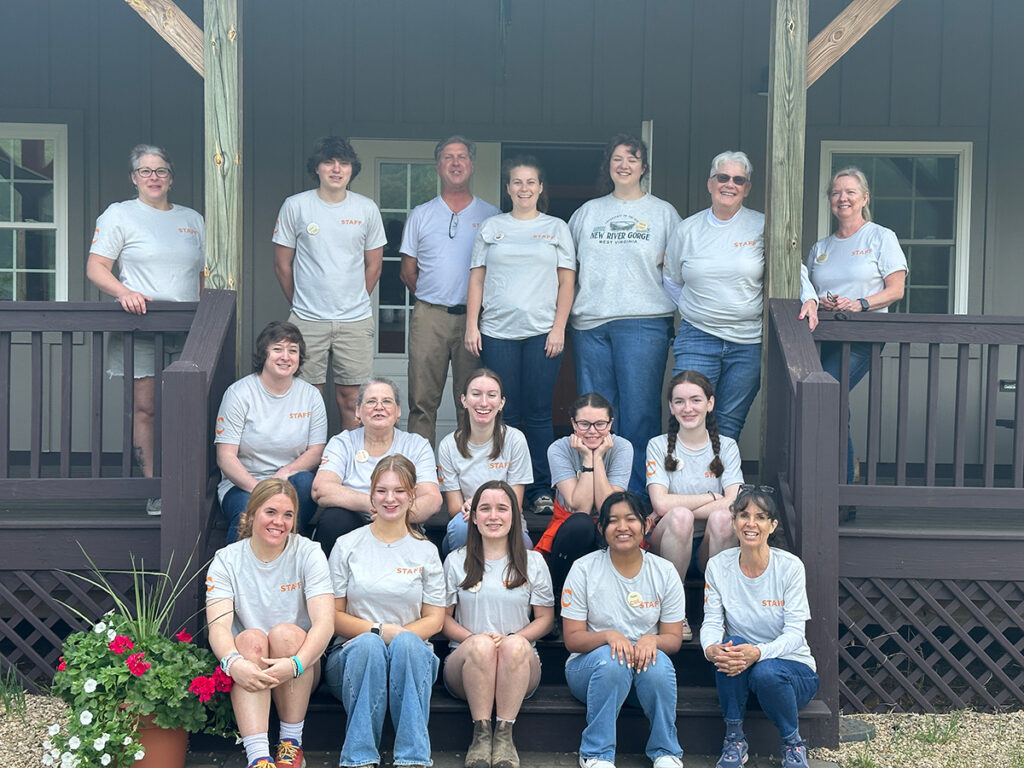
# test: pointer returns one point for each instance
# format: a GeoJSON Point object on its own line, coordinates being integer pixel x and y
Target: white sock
{"type": "Point", "coordinates": [256, 746]}
{"type": "Point", "coordinates": [292, 731]}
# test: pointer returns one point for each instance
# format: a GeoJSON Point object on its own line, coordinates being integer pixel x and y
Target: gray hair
{"type": "Point", "coordinates": [862, 182]}
{"type": "Point", "coordinates": [456, 139]}
{"type": "Point", "coordinates": [732, 156]}
{"type": "Point", "coordinates": [148, 149]}
{"type": "Point", "coordinates": [361, 395]}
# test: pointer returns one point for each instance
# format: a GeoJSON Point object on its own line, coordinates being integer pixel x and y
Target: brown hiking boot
{"type": "Point", "coordinates": [479, 753]}
{"type": "Point", "coordinates": [503, 750]}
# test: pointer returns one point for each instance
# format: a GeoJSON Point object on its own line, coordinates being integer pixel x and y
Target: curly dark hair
{"type": "Point", "coordinates": [330, 148]}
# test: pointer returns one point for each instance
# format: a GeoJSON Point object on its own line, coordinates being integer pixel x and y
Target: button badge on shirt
{"type": "Point", "coordinates": [312, 227]}
{"type": "Point", "coordinates": [362, 455]}
{"type": "Point", "coordinates": [634, 600]}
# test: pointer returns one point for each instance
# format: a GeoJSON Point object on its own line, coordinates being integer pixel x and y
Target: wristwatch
{"type": "Point", "coordinates": [864, 306]}
{"type": "Point", "coordinates": [376, 628]}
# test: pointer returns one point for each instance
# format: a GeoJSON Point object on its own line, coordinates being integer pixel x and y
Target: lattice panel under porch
{"type": "Point", "coordinates": [924, 645]}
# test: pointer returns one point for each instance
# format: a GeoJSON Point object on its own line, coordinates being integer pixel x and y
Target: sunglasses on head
{"type": "Point", "coordinates": [750, 488]}
{"type": "Point", "coordinates": [724, 178]}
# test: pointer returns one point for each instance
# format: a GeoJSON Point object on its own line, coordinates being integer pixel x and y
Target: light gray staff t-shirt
{"type": "Point", "coordinates": [566, 463]}
{"type": "Point", "coordinates": [522, 259]}
{"type": "Point", "coordinates": [443, 261]}
{"type": "Point", "coordinates": [267, 594]}
{"type": "Point", "coordinates": [597, 593]}
{"type": "Point", "coordinates": [386, 583]}
{"type": "Point", "coordinates": [490, 606]}
{"type": "Point", "coordinates": [692, 474]}
{"type": "Point", "coordinates": [329, 241]}
{"type": "Point", "coordinates": [620, 250]}
{"type": "Point", "coordinates": [270, 430]}
{"type": "Point", "coordinates": [159, 253]}
{"type": "Point", "coordinates": [769, 611]}
{"type": "Point", "coordinates": [855, 266]}
{"type": "Point", "coordinates": [457, 473]}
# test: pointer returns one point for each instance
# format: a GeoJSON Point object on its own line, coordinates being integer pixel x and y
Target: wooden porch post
{"type": "Point", "coordinates": [222, 86]}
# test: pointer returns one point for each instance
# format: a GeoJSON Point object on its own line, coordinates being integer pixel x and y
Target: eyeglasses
{"type": "Point", "coordinates": [750, 488]}
{"type": "Point", "coordinates": [586, 426]}
{"type": "Point", "coordinates": [453, 226]}
{"type": "Point", "coordinates": [160, 173]}
{"type": "Point", "coordinates": [373, 402]}
{"type": "Point", "coordinates": [724, 178]}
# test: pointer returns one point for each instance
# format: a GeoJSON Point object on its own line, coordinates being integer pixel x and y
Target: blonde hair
{"type": "Point", "coordinates": [261, 494]}
{"type": "Point", "coordinates": [862, 182]}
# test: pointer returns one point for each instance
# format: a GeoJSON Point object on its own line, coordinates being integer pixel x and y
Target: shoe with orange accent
{"type": "Point", "coordinates": [262, 762]}
{"type": "Point", "coordinates": [289, 754]}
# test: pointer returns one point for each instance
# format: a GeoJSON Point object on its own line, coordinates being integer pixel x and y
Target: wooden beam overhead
{"type": "Point", "coordinates": [842, 33]}
{"type": "Point", "coordinates": [174, 26]}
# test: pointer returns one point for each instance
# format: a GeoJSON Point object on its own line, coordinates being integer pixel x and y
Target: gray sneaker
{"type": "Point", "coordinates": [153, 507]}
{"type": "Point", "coordinates": [794, 755]}
{"type": "Point", "coordinates": [734, 754]}
{"type": "Point", "coordinates": [543, 505]}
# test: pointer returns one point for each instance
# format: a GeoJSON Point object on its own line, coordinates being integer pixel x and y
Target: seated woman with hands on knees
{"type": "Point", "coordinates": [622, 604]}
{"type": "Point", "coordinates": [481, 448]}
{"type": "Point", "coordinates": [342, 486]}
{"type": "Point", "coordinates": [270, 424]}
{"type": "Point", "coordinates": [389, 602]}
{"type": "Point", "coordinates": [270, 613]}
{"type": "Point", "coordinates": [755, 612]}
{"type": "Point", "coordinates": [693, 475]}
{"type": "Point", "coordinates": [499, 603]}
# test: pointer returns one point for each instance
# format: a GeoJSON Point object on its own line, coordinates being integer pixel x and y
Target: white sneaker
{"type": "Point", "coordinates": [593, 762]}
{"type": "Point", "coordinates": [154, 507]}
{"type": "Point", "coordinates": [668, 761]}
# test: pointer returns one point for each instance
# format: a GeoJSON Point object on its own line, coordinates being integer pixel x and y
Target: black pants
{"type": "Point", "coordinates": [576, 537]}
{"type": "Point", "coordinates": [335, 522]}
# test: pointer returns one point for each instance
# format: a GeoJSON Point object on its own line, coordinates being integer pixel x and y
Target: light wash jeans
{"type": "Point", "coordinates": [366, 675]}
{"type": "Point", "coordinates": [604, 685]}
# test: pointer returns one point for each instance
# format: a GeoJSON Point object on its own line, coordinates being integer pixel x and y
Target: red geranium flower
{"type": "Point", "coordinates": [120, 644]}
{"type": "Point", "coordinates": [184, 636]}
{"type": "Point", "coordinates": [203, 687]}
{"type": "Point", "coordinates": [62, 666]}
{"type": "Point", "coordinates": [137, 664]}
{"type": "Point", "coordinates": [221, 681]}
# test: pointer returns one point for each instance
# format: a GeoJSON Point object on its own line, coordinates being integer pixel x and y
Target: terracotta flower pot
{"type": "Point", "coordinates": [165, 747]}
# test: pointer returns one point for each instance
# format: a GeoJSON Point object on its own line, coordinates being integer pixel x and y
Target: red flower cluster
{"type": "Point", "coordinates": [221, 681]}
{"type": "Point", "coordinates": [63, 665]}
{"type": "Point", "coordinates": [136, 664]}
{"type": "Point", "coordinates": [203, 687]}
{"type": "Point", "coordinates": [184, 636]}
{"type": "Point", "coordinates": [120, 644]}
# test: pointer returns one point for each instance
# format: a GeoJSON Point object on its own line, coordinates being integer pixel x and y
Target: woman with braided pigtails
{"type": "Point", "coordinates": [693, 475]}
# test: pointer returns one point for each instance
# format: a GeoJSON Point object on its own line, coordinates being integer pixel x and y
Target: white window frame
{"type": "Point", "coordinates": [58, 133]}
{"type": "Point", "coordinates": [963, 150]}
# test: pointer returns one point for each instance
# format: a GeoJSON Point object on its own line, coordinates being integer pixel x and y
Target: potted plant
{"type": "Point", "coordinates": [131, 670]}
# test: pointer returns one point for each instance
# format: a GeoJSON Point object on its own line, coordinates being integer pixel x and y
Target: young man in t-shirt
{"type": "Point", "coordinates": [328, 252]}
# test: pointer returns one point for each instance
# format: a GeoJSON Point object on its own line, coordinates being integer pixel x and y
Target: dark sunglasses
{"type": "Point", "coordinates": [751, 488]}
{"type": "Point", "coordinates": [723, 178]}
{"type": "Point", "coordinates": [453, 226]}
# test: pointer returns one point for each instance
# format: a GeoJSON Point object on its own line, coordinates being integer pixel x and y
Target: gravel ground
{"type": "Point", "coordinates": [958, 740]}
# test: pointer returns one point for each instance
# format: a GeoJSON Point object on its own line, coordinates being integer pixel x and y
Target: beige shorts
{"type": "Point", "coordinates": [145, 352]}
{"type": "Point", "coordinates": [350, 346]}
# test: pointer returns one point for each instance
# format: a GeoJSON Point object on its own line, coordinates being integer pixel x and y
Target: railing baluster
{"type": "Point", "coordinates": [844, 410]}
{"type": "Point", "coordinates": [931, 423]}
{"type": "Point", "coordinates": [158, 370]}
{"type": "Point", "coordinates": [36, 418]}
{"type": "Point", "coordinates": [874, 413]}
{"type": "Point", "coordinates": [128, 427]}
{"type": "Point", "coordinates": [903, 415]}
{"type": "Point", "coordinates": [5, 403]}
{"type": "Point", "coordinates": [96, 426]}
{"type": "Point", "coordinates": [991, 394]}
{"type": "Point", "coordinates": [66, 391]}
{"type": "Point", "coordinates": [963, 362]}
{"type": "Point", "coordinates": [1018, 425]}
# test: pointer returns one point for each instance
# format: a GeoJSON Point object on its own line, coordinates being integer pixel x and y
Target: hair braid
{"type": "Point", "coordinates": [673, 430]}
{"type": "Point", "coordinates": [716, 466]}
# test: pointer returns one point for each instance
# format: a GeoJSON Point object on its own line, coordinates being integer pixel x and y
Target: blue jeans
{"type": "Point", "coordinates": [604, 685]}
{"type": "Point", "coordinates": [860, 364]}
{"type": "Point", "coordinates": [782, 688]}
{"type": "Point", "coordinates": [624, 360]}
{"type": "Point", "coordinates": [366, 675]}
{"type": "Point", "coordinates": [236, 500]}
{"type": "Point", "coordinates": [455, 535]}
{"type": "Point", "coordinates": [528, 376]}
{"type": "Point", "coordinates": [733, 369]}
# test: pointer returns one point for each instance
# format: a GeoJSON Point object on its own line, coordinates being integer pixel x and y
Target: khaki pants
{"type": "Point", "coordinates": [435, 337]}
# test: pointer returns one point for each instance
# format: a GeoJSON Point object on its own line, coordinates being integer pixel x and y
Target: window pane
{"type": "Point", "coordinates": [34, 159]}
{"type": "Point", "coordinates": [392, 290]}
{"type": "Point", "coordinates": [930, 300]}
{"type": "Point", "coordinates": [6, 194]}
{"type": "Point", "coordinates": [929, 265]}
{"type": "Point", "coordinates": [36, 286]}
{"type": "Point", "coordinates": [391, 331]}
{"type": "Point", "coordinates": [33, 202]}
{"type": "Point", "coordinates": [424, 184]}
{"type": "Point", "coordinates": [7, 239]}
{"type": "Point", "coordinates": [6, 287]}
{"type": "Point", "coordinates": [6, 169]}
{"type": "Point", "coordinates": [933, 218]}
{"type": "Point", "coordinates": [39, 250]}
{"type": "Point", "coordinates": [392, 185]}
{"type": "Point", "coordinates": [893, 177]}
{"type": "Point", "coordinates": [394, 223]}
{"type": "Point", "coordinates": [892, 214]}
{"type": "Point", "coordinates": [936, 176]}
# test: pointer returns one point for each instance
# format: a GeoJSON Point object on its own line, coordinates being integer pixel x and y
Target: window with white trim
{"type": "Point", "coordinates": [33, 212]}
{"type": "Point", "coordinates": [921, 191]}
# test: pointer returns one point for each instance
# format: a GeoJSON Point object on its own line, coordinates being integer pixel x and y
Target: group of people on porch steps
{"type": "Point", "coordinates": [327, 573]}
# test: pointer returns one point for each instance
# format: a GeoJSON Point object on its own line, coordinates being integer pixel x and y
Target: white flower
{"type": "Point", "coordinates": [48, 745]}
{"type": "Point", "coordinates": [105, 736]}
{"type": "Point", "coordinates": [140, 754]}
{"type": "Point", "coordinates": [108, 613]}
{"type": "Point", "coordinates": [100, 628]}
{"type": "Point", "coordinates": [54, 729]}
{"type": "Point", "coordinates": [105, 760]}
{"type": "Point", "coordinates": [47, 760]}
{"type": "Point", "coordinates": [111, 634]}
{"type": "Point", "coordinates": [74, 742]}
{"type": "Point", "coordinates": [127, 741]}
{"type": "Point", "coordinates": [54, 753]}
{"type": "Point", "coordinates": [89, 686]}
{"type": "Point", "coordinates": [86, 717]}
{"type": "Point", "coordinates": [99, 744]}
